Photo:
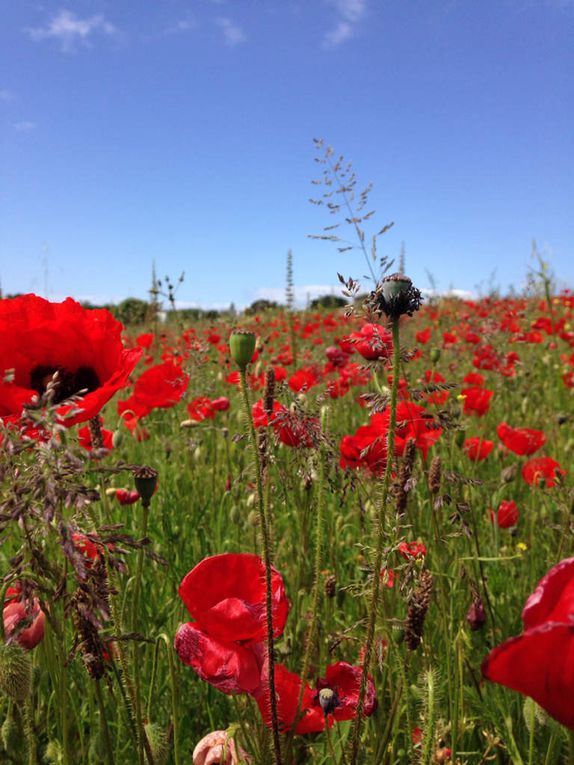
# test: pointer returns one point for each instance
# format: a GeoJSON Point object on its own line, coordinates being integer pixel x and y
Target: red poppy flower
{"type": "Point", "coordinates": [523, 441]}
{"type": "Point", "coordinates": [303, 379]}
{"type": "Point", "coordinates": [127, 497]}
{"type": "Point", "coordinates": [475, 379]}
{"type": "Point", "coordinates": [372, 342]}
{"type": "Point", "coordinates": [23, 622]}
{"type": "Point", "coordinates": [437, 397]}
{"type": "Point", "coordinates": [476, 400]}
{"type": "Point", "coordinates": [39, 338]}
{"type": "Point", "coordinates": [542, 471]}
{"type": "Point", "coordinates": [540, 662]}
{"type": "Point", "coordinates": [412, 550]}
{"type": "Point", "coordinates": [507, 514]}
{"type": "Point", "coordinates": [341, 678]}
{"type": "Point", "coordinates": [201, 409]}
{"type": "Point", "coordinates": [345, 680]}
{"type": "Point", "coordinates": [478, 449]}
{"type": "Point", "coordinates": [225, 594]}
{"type": "Point", "coordinates": [424, 335]}
{"type": "Point", "coordinates": [161, 386]}
{"type": "Point", "coordinates": [290, 429]}
{"type": "Point", "coordinates": [229, 666]}
{"type": "Point", "coordinates": [85, 437]}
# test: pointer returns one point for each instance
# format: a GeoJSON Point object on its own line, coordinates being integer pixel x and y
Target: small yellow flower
{"type": "Point", "coordinates": [521, 547]}
{"type": "Point", "coordinates": [461, 397]}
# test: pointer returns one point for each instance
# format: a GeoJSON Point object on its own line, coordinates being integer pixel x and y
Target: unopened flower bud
{"type": "Point", "coordinates": [242, 347]}
{"type": "Point", "coordinates": [476, 616]}
{"type": "Point", "coordinates": [435, 355]}
{"type": "Point", "coordinates": [117, 438]}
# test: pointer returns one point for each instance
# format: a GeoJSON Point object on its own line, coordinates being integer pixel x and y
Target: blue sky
{"type": "Point", "coordinates": [180, 132]}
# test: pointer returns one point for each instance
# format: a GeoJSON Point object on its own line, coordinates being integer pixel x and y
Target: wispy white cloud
{"type": "Point", "coordinates": [183, 25]}
{"type": "Point", "coordinates": [233, 34]}
{"type": "Point", "coordinates": [71, 31]}
{"type": "Point", "coordinates": [25, 126]}
{"type": "Point", "coordinates": [349, 13]}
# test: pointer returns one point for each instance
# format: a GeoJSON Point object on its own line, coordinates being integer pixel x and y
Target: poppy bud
{"type": "Point", "coordinates": [15, 672]}
{"type": "Point", "coordinates": [476, 616]}
{"type": "Point", "coordinates": [117, 438]}
{"type": "Point", "coordinates": [145, 479]}
{"type": "Point", "coordinates": [435, 355]}
{"type": "Point", "coordinates": [242, 347]}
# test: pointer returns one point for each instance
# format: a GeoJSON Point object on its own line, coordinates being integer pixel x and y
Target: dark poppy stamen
{"type": "Point", "coordinates": [69, 383]}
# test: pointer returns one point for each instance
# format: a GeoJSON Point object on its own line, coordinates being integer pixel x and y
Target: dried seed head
{"type": "Point", "coordinates": [395, 296]}
{"type": "Point", "coordinates": [435, 475]}
{"type": "Point", "coordinates": [242, 347]}
{"type": "Point", "coordinates": [145, 479]}
{"type": "Point", "coordinates": [331, 586]}
{"type": "Point", "coordinates": [417, 611]}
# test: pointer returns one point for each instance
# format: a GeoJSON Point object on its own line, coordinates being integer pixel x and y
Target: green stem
{"type": "Point", "coordinates": [104, 725]}
{"type": "Point", "coordinates": [571, 747]}
{"type": "Point", "coordinates": [267, 560]}
{"type": "Point", "coordinates": [356, 732]}
{"type": "Point", "coordinates": [316, 586]}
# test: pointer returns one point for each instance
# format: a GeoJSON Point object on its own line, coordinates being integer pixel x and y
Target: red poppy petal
{"type": "Point", "coordinates": [540, 664]}
{"type": "Point", "coordinates": [553, 598]}
{"type": "Point", "coordinates": [231, 668]}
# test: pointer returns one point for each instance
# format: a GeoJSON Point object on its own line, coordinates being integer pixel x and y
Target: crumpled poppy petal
{"type": "Point", "coordinates": [229, 667]}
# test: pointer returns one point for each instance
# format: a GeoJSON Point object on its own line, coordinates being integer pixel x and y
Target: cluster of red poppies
{"type": "Point", "coordinates": [225, 644]}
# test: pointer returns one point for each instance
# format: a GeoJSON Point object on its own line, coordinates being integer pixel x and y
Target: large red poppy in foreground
{"type": "Point", "coordinates": [540, 662]}
{"type": "Point", "coordinates": [225, 594]}
{"type": "Point", "coordinates": [39, 338]}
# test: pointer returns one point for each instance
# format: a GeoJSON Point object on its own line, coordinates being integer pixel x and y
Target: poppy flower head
{"type": "Point", "coordinates": [540, 662]}
{"type": "Point", "coordinates": [83, 346]}
{"type": "Point", "coordinates": [522, 441]}
{"type": "Point", "coordinates": [542, 471]}
{"type": "Point", "coordinates": [225, 594]}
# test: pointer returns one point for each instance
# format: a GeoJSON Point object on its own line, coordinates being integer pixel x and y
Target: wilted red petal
{"type": "Point", "coordinates": [229, 667]}
{"type": "Point", "coordinates": [539, 664]}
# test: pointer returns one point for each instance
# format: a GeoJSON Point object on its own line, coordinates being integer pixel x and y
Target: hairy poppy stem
{"type": "Point", "coordinates": [375, 593]}
{"type": "Point", "coordinates": [267, 560]}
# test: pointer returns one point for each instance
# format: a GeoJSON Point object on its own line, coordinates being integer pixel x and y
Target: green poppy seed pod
{"type": "Point", "coordinates": [242, 347]}
{"type": "Point", "coordinates": [158, 742]}
{"type": "Point", "coordinates": [145, 479]}
{"type": "Point", "coordinates": [15, 672]}
{"type": "Point", "coordinates": [435, 355]}
{"type": "Point", "coordinates": [395, 285]}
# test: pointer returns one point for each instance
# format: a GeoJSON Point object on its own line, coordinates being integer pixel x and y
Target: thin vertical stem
{"type": "Point", "coordinates": [267, 560]}
{"type": "Point", "coordinates": [375, 593]}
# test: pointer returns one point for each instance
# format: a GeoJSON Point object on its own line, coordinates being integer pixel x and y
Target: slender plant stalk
{"type": "Point", "coordinates": [570, 747]}
{"type": "Point", "coordinates": [104, 725]}
{"type": "Point", "coordinates": [375, 593]}
{"type": "Point", "coordinates": [316, 587]}
{"type": "Point", "coordinates": [134, 620]}
{"type": "Point", "coordinates": [267, 560]}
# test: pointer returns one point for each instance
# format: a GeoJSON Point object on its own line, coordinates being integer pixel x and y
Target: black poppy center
{"type": "Point", "coordinates": [68, 383]}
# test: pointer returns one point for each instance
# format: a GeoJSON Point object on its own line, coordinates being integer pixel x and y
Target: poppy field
{"type": "Point", "coordinates": [289, 536]}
